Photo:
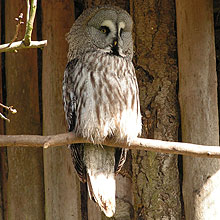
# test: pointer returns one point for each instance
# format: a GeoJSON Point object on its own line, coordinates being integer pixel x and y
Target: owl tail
{"type": "Point", "coordinates": [100, 162]}
{"type": "Point", "coordinates": [101, 189]}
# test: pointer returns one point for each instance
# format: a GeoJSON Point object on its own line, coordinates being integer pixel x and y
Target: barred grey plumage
{"type": "Point", "coordinates": [101, 97]}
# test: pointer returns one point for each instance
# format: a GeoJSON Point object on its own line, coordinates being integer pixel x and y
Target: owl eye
{"type": "Point", "coordinates": [104, 30]}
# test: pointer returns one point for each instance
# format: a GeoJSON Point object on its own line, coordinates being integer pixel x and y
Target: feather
{"type": "Point", "coordinates": [102, 190]}
{"type": "Point", "coordinates": [101, 100]}
{"type": "Point", "coordinates": [101, 176]}
{"type": "Point", "coordinates": [70, 110]}
{"type": "Point", "coordinates": [77, 158]}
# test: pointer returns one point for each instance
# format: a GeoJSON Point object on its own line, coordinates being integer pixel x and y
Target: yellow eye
{"type": "Point", "coordinates": [104, 30]}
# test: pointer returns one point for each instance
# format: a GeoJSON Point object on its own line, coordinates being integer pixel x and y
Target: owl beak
{"type": "Point", "coordinates": [115, 47]}
{"type": "Point", "coordinates": [115, 43]}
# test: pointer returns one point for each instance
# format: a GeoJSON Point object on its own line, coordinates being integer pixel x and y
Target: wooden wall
{"type": "Point", "coordinates": [25, 184]}
{"type": "Point", "coordinates": [61, 184]}
{"type": "Point", "coordinates": [2, 123]}
{"type": "Point", "coordinates": [156, 176]}
{"type": "Point", "coordinates": [41, 183]}
{"type": "Point", "coordinates": [199, 106]}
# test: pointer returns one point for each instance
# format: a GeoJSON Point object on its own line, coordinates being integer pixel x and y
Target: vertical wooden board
{"type": "Point", "coordinates": [1, 69]}
{"type": "Point", "coordinates": [25, 193]}
{"type": "Point", "coordinates": [1, 120]}
{"type": "Point", "coordinates": [198, 105]}
{"type": "Point", "coordinates": [155, 176]}
{"type": "Point", "coordinates": [61, 183]}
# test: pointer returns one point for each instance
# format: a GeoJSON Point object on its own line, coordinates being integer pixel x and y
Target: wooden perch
{"type": "Point", "coordinates": [20, 45]}
{"type": "Point", "coordinates": [193, 150]}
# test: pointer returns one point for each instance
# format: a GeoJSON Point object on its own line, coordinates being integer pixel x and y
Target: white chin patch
{"type": "Point", "coordinates": [121, 53]}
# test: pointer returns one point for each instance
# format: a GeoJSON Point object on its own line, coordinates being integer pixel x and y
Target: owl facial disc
{"type": "Point", "coordinates": [116, 31]}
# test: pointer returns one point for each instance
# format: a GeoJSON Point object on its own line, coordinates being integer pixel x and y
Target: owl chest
{"type": "Point", "coordinates": [105, 97]}
{"type": "Point", "coordinates": [104, 80]}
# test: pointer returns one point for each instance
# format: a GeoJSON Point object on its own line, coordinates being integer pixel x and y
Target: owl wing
{"type": "Point", "coordinates": [70, 102]}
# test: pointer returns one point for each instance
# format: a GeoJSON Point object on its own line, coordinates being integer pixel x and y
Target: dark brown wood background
{"type": "Point", "coordinates": [41, 183]}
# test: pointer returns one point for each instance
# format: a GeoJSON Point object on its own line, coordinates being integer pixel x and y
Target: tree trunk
{"type": "Point", "coordinates": [25, 193]}
{"type": "Point", "coordinates": [155, 176]}
{"type": "Point", "coordinates": [61, 183]}
{"type": "Point", "coordinates": [198, 104]}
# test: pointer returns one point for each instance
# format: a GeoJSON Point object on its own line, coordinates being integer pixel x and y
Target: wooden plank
{"type": "Point", "coordinates": [62, 196]}
{"type": "Point", "coordinates": [25, 192]}
{"type": "Point", "coordinates": [198, 104]}
{"type": "Point", "coordinates": [1, 120]}
{"type": "Point", "coordinates": [156, 176]}
{"type": "Point", "coordinates": [216, 6]}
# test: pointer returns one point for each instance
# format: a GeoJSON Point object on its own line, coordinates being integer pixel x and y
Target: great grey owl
{"type": "Point", "coordinates": [101, 97]}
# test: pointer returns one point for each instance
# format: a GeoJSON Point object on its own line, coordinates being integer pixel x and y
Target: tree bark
{"type": "Point", "coordinates": [24, 186]}
{"type": "Point", "coordinates": [198, 104]}
{"type": "Point", "coordinates": [155, 176]}
{"type": "Point", "coordinates": [61, 183]}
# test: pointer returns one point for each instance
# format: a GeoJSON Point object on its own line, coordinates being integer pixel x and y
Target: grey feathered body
{"type": "Point", "coordinates": [101, 100]}
{"type": "Point", "coordinates": [102, 92]}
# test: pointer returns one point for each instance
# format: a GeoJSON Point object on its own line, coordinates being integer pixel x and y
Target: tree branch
{"type": "Point", "coordinates": [3, 117]}
{"type": "Point", "coordinates": [20, 45]}
{"type": "Point", "coordinates": [20, 22]}
{"type": "Point", "coordinates": [26, 42]}
{"type": "Point", "coordinates": [9, 108]}
{"type": "Point", "coordinates": [138, 144]}
{"type": "Point", "coordinates": [31, 11]}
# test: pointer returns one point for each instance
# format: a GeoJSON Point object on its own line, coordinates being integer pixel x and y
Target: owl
{"type": "Point", "coordinates": [101, 98]}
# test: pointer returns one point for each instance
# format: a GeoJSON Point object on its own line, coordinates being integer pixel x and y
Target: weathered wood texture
{"type": "Point", "coordinates": [61, 183]}
{"type": "Point", "coordinates": [120, 3]}
{"type": "Point", "coordinates": [25, 193]}
{"type": "Point", "coordinates": [154, 193]}
{"type": "Point", "coordinates": [198, 105]}
{"type": "Point", "coordinates": [155, 176]}
{"type": "Point", "coordinates": [217, 47]}
{"type": "Point", "coordinates": [1, 120]}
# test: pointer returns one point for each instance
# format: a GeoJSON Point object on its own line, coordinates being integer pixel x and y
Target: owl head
{"type": "Point", "coordinates": [105, 28]}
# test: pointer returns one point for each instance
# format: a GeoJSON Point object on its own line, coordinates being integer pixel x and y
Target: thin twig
{"type": "Point", "coordinates": [3, 117]}
{"type": "Point", "coordinates": [20, 22]}
{"type": "Point", "coordinates": [26, 43]}
{"type": "Point", "coordinates": [137, 144]}
{"type": "Point", "coordinates": [9, 108]}
{"type": "Point", "coordinates": [28, 11]}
